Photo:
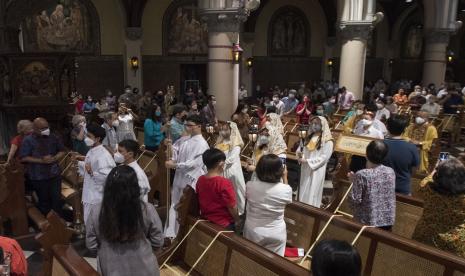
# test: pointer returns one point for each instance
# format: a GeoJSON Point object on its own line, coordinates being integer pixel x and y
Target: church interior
{"type": "Point", "coordinates": [142, 137]}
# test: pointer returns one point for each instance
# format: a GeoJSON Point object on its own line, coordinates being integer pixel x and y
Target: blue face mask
{"type": "Point", "coordinates": [157, 113]}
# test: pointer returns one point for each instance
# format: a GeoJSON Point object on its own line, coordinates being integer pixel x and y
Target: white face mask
{"type": "Point", "coordinates": [359, 112]}
{"type": "Point", "coordinates": [320, 112]}
{"type": "Point", "coordinates": [332, 101]}
{"type": "Point", "coordinates": [213, 102]}
{"type": "Point", "coordinates": [263, 140]}
{"type": "Point", "coordinates": [244, 110]}
{"type": "Point", "coordinates": [366, 122]}
{"type": "Point", "coordinates": [45, 132]}
{"type": "Point", "coordinates": [379, 106]}
{"type": "Point", "coordinates": [89, 142]}
{"type": "Point", "coordinates": [82, 124]}
{"type": "Point", "coordinates": [381, 95]}
{"type": "Point", "coordinates": [276, 100]}
{"type": "Point", "coordinates": [419, 120]}
{"type": "Point", "coordinates": [119, 158]}
{"type": "Point", "coordinates": [115, 123]}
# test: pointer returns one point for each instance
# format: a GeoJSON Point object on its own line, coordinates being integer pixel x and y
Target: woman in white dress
{"type": "Point", "coordinates": [315, 153]}
{"type": "Point", "coordinates": [125, 129]}
{"type": "Point", "coordinates": [267, 198]}
{"type": "Point", "coordinates": [230, 142]}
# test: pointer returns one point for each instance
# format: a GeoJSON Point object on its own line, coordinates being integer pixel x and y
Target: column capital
{"type": "Point", "coordinates": [224, 22]}
{"type": "Point", "coordinates": [356, 31]}
{"type": "Point", "coordinates": [437, 36]}
{"type": "Point", "coordinates": [133, 33]}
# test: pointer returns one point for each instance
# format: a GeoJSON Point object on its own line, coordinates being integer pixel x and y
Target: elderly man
{"type": "Point", "coordinates": [41, 152]}
{"type": "Point", "coordinates": [290, 102]}
{"type": "Point", "coordinates": [110, 124]}
{"type": "Point", "coordinates": [422, 134]}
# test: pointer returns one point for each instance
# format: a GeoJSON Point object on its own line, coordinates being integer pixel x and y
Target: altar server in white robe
{"type": "Point", "coordinates": [315, 153]}
{"type": "Point", "coordinates": [96, 166]}
{"type": "Point", "coordinates": [128, 150]}
{"type": "Point", "coordinates": [230, 142]}
{"type": "Point", "coordinates": [189, 167]}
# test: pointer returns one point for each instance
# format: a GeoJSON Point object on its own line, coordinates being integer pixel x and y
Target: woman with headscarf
{"type": "Point", "coordinates": [230, 142]}
{"type": "Point", "coordinates": [315, 153]}
{"type": "Point", "coordinates": [275, 121]}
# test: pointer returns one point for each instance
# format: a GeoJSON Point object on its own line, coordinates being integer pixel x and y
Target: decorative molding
{"type": "Point", "coordinates": [134, 33]}
{"type": "Point", "coordinates": [224, 22]}
{"type": "Point", "coordinates": [356, 31]}
{"type": "Point", "coordinates": [437, 36]}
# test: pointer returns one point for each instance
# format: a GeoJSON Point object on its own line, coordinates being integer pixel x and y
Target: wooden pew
{"type": "Point", "coordinates": [382, 252]}
{"type": "Point", "coordinates": [66, 261]}
{"type": "Point", "coordinates": [71, 187]}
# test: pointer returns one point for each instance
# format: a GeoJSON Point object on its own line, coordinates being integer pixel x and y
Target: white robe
{"type": "Point", "coordinates": [101, 163]}
{"type": "Point", "coordinates": [312, 174]}
{"type": "Point", "coordinates": [125, 130]}
{"type": "Point", "coordinates": [142, 180]}
{"type": "Point", "coordinates": [233, 172]}
{"type": "Point", "coordinates": [264, 223]}
{"type": "Point", "coordinates": [189, 167]}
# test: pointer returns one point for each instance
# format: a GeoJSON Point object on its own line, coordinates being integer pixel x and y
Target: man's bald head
{"type": "Point", "coordinates": [39, 124]}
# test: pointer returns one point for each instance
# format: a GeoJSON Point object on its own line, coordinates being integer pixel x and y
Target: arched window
{"type": "Point", "coordinates": [288, 33]}
{"type": "Point", "coordinates": [183, 32]}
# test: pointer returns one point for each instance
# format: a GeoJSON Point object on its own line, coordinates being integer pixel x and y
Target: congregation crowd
{"type": "Point", "coordinates": [248, 197]}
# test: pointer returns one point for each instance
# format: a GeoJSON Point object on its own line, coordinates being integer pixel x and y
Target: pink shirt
{"type": "Point", "coordinates": [345, 100]}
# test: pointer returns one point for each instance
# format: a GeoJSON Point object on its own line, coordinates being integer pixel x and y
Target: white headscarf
{"type": "Point", "coordinates": [325, 130]}
{"type": "Point", "coordinates": [235, 139]}
{"type": "Point", "coordinates": [275, 121]}
{"type": "Point", "coordinates": [277, 144]}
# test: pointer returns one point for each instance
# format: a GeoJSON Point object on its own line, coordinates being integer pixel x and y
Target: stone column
{"type": "Point", "coordinates": [353, 57]}
{"type": "Point", "coordinates": [434, 63]}
{"type": "Point", "coordinates": [133, 43]}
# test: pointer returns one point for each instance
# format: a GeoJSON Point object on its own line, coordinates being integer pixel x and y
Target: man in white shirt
{"type": "Point", "coordinates": [366, 128]}
{"type": "Point", "coordinates": [187, 160]}
{"type": "Point", "coordinates": [345, 99]}
{"type": "Point", "coordinates": [382, 113]}
{"type": "Point", "coordinates": [278, 104]}
{"type": "Point", "coordinates": [242, 92]}
{"type": "Point", "coordinates": [96, 166]}
{"type": "Point", "coordinates": [128, 150]}
{"type": "Point", "coordinates": [431, 107]}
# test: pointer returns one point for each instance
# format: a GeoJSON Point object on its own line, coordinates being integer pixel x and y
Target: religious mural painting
{"type": "Point", "coordinates": [36, 80]}
{"type": "Point", "coordinates": [62, 25]}
{"type": "Point", "coordinates": [288, 34]}
{"type": "Point", "coordinates": [185, 33]}
{"type": "Point", "coordinates": [413, 45]}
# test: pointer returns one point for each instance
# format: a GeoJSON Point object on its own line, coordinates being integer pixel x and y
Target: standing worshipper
{"type": "Point", "coordinates": [128, 150]}
{"type": "Point", "coordinates": [230, 143]}
{"type": "Point", "coordinates": [209, 111]}
{"type": "Point", "coordinates": [304, 110]}
{"type": "Point", "coordinates": [110, 124]}
{"type": "Point", "coordinates": [315, 154]}
{"type": "Point", "coordinates": [278, 104]}
{"type": "Point", "coordinates": [24, 128]}
{"type": "Point", "coordinates": [41, 151]}
{"type": "Point", "coordinates": [126, 119]}
{"type": "Point", "coordinates": [242, 119]}
{"type": "Point", "coordinates": [290, 102]}
{"type": "Point", "coordinates": [111, 100]}
{"type": "Point", "coordinates": [345, 99]}
{"type": "Point", "coordinates": [176, 123]}
{"type": "Point", "coordinates": [153, 129]}
{"type": "Point", "coordinates": [189, 167]}
{"type": "Point", "coordinates": [96, 166]}
{"type": "Point", "coordinates": [78, 133]}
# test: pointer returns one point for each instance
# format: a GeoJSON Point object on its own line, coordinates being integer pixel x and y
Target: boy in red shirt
{"type": "Point", "coordinates": [217, 199]}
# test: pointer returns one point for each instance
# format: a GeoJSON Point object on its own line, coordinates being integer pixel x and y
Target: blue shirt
{"type": "Point", "coordinates": [152, 133]}
{"type": "Point", "coordinates": [454, 100]}
{"type": "Point", "coordinates": [38, 146]}
{"type": "Point", "coordinates": [88, 106]}
{"type": "Point", "coordinates": [402, 157]}
{"type": "Point", "coordinates": [289, 104]}
{"type": "Point", "coordinates": [176, 129]}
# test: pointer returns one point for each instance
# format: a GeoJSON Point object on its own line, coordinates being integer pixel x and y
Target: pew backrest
{"type": "Point", "coordinates": [66, 261]}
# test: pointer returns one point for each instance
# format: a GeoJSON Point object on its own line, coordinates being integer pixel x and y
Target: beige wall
{"type": "Point", "coordinates": [315, 16]}
{"type": "Point", "coordinates": [152, 24]}
{"type": "Point", "coordinates": [112, 24]}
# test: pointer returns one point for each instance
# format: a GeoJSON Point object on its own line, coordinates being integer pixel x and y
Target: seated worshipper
{"type": "Point", "coordinates": [304, 110]}
{"type": "Point", "coordinates": [24, 128]}
{"type": "Point", "coordinates": [403, 157]}
{"type": "Point", "coordinates": [401, 97]}
{"type": "Point", "coordinates": [217, 199]}
{"type": "Point", "coordinates": [365, 127]}
{"type": "Point", "coordinates": [96, 166]}
{"type": "Point", "coordinates": [110, 124]}
{"type": "Point", "coordinates": [40, 153]}
{"type": "Point", "coordinates": [153, 129]}
{"type": "Point", "coordinates": [267, 198]}
{"type": "Point", "coordinates": [391, 106]}
{"type": "Point", "coordinates": [123, 229]}
{"type": "Point", "coordinates": [127, 98]}
{"type": "Point", "coordinates": [102, 105]}
{"type": "Point", "coordinates": [111, 100]}
{"type": "Point", "coordinates": [452, 101]}
{"type": "Point", "coordinates": [209, 111]}
{"type": "Point", "coordinates": [290, 102]}
{"type": "Point", "coordinates": [176, 125]}
{"type": "Point", "coordinates": [345, 99]}
{"type": "Point", "coordinates": [278, 104]}
{"type": "Point", "coordinates": [329, 105]}
{"type": "Point", "coordinates": [376, 123]}
{"type": "Point", "coordinates": [442, 222]}
{"type": "Point", "coordinates": [242, 119]}
{"type": "Point", "coordinates": [89, 105]}
{"type": "Point", "coordinates": [422, 134]}
{"type": "Point", "coordinates": [382, 113]}
{"type": "Point", "coordinates": [78, 133]}
{"type": "Point", "coordinates": [314, 155]}
{"type": "Point", "coordinates": [128, 150]}
{"type": "Point", "coordinates": [125, 129]}
{"type": "Point", "coordinates": [193, 108]}
{"type": "Point", "coordinates": [373, 196]}
{"type": "Point", "coordinates": [415, 93]}
{"type": "Point", "coordinates": [187, 160]}
{"type": "Point", "coordinates": [230, 143]}
{"type": "Point", "coordinates": [432, 107]}
{"type": "Point", "coordinates": [353, 117]}
{"type": "Point", "coordinates": [12, 255]}
{"type": "Point", "coordinates": [335, 258]}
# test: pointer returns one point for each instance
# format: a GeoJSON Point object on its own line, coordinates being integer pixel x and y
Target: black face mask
{"type": "Point", "coordinates": [183, 118]}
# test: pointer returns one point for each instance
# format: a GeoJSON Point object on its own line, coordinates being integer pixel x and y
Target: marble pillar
{"type": "Point", "coordinates": [434, 61]}
{"type": "Point", "coordinates": [133, 43]}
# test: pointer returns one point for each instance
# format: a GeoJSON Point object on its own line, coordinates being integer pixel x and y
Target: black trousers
{"type": "Point", "coordinates": [49, 193]}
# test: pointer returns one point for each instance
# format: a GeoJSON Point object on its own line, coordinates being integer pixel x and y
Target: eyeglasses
{"type": "Point", "coordinates": [190, 125]}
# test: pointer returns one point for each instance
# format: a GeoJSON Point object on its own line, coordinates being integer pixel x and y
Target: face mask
{"type": "Point", "coordinates": [213, 102]}
{"type": "Point", "coordinates": [366, 122]}
{"type": "Point", "coordinates": [320, 112]}
{"type": "Point", "coordinates": [45, 132]}
{"type": "Point", "coordinates": [244, 110]}
{"type": "Point", "coordinates": [314, 128]}
{"type": "Point", "coordinates": [381, 95]}
{"type": "Point", "coordinates": [263, 140]}
{"type": "Point", "coordinates": [89, 142]}
{"type": "Point", "coordinates": [359, 112]}
{"type": "Point", "coordinates": [115, 123]}
{"type": "Point", "coordinates": [119, 158]}
{"type": "Point", "coordinates": [379, 106]}
{"type": "Point", "coordinates": [127, 91]}
{"type": "Point", "coordinates": [291, 96]}
{"type": "Point", "coordinates": [157, 113]}
{"type": "Point", "coordinates": [419, 120]}
{"type": "Point", "coordinates": [82, 124]}
{"type": "Point", "coordinates": [423, 92]}
{"type": "Point", "coordinates": [332, 101]}
{"type": "Point", "coordinates": [89, 100]}
{"type": "Point", "coordinates": [183, 118]}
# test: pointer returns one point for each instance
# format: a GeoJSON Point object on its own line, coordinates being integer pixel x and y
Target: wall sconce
{"type": "Point", "coordinates": [330, 63]}
{"type": "Point", "coordinates": [134, 64]}
{"type": "Point", "coordinates": [250, 63]}
{"type": "Point", "coordinates": [391, 62]}
{"type": "Point", "coordinates": [450, 56]}
{"type": "Point", "coordinates": [237, 53]}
